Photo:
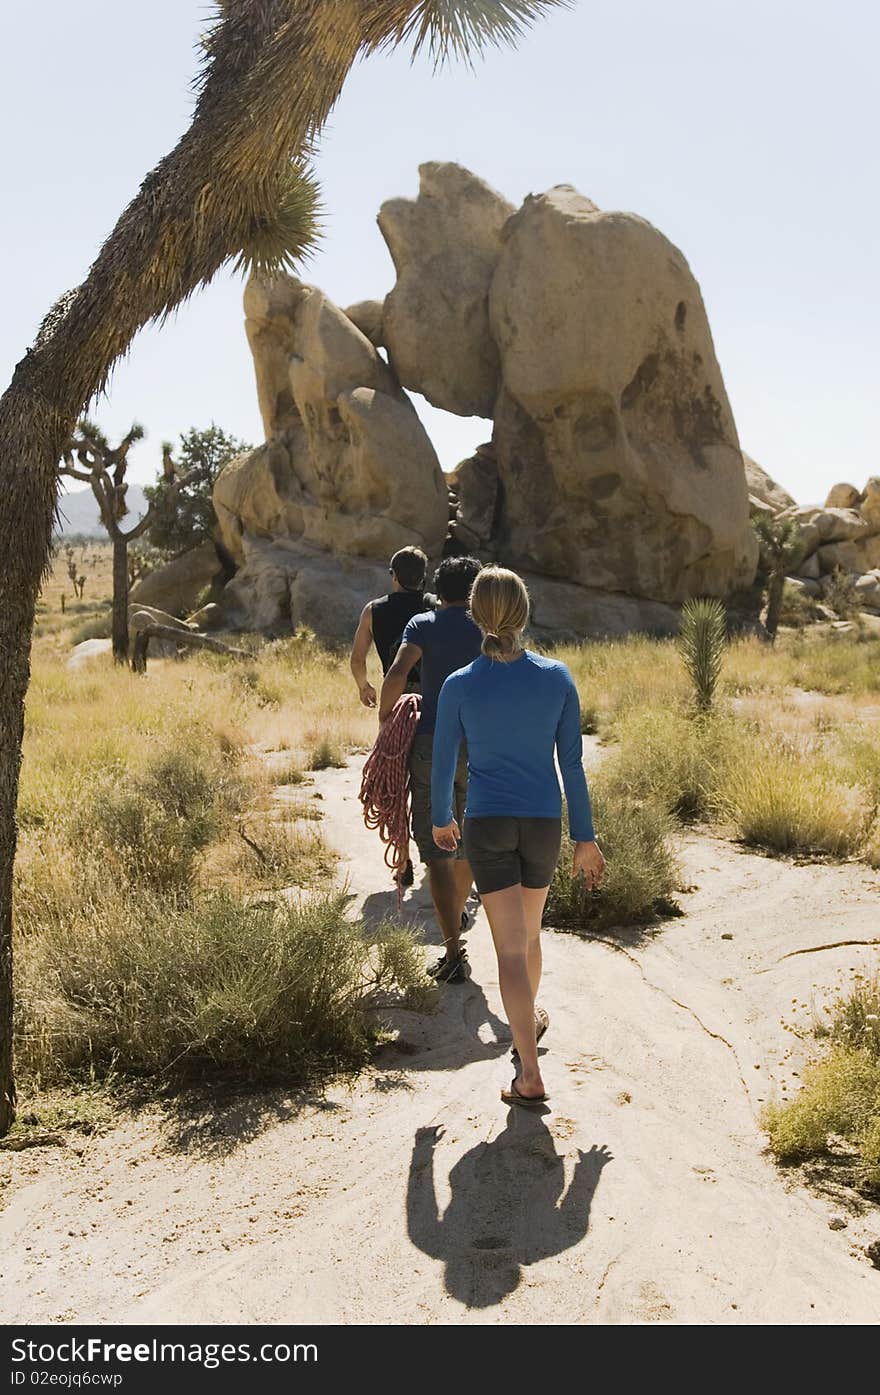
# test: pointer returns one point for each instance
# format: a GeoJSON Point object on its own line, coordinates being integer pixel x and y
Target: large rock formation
{"type": "Point", "coordinates": [614, 474]}
{"type": "Point", "coordinates": [177, 586]}
{"type": "Point", "coordinates": [617, 452]}
{"type": "Point", "coordinates": [347, 468]}
{"type": "Point", "coordinates": [445, 246]}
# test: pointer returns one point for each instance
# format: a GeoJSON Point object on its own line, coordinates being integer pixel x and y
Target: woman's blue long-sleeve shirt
{"type": "Point", "coordinates": [513, 717]}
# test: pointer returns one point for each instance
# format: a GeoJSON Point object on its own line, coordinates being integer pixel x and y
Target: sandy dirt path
{"type": "Point", "coordinates": [414, 1196]}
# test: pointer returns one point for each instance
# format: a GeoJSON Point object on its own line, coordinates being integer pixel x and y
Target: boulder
{"type": "Point", "coordinates": [838, 555]}
{"type": "Point", "coordinates": [88, 650]}
{"type": "Point", "coordinates": [758, 508]}
{"type": "Point", "coordinates": [868, 553]}
{"type": "Point", "coordinates": [176, 587]}
{"type": "Point", "coordinates": [617, 453]}
{"type": "Point", "coordinates": [764, 490]}
{"type": "Point", "coordinates": [475, 481]}
{"type": "Point", "coordinates": [826, 525]}
{"type": "Point", "coordinates": [867, 590]}
{"type": "Point", "coordinates": [367, 316]}
{"type": "Point", "coordinates": [444, 246]}
{"type": "Point", "coordinates": [870, 505]}
{"type": "Point", "coordinates": [843, 496]}
{"type": "Point", "coordinates": [809, 568]}
{"type": "Point", "coordinates": [561, 609]}
{"type": "Point", "coordinates": [347, 465]}
{"type": "Point", "coordinates": [804, 586]}
{"type": "Point", "coordinates": [280, 586]}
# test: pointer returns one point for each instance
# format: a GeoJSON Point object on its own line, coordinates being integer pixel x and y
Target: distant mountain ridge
{"type": "Point", "coordinates": [78, 512]}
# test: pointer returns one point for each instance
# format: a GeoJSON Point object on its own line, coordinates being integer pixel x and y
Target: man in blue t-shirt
{"type": "Point", "coordinates": [443, 640]}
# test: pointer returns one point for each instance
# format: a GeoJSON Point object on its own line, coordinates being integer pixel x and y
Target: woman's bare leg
{"type": "Point", "coordinates": [506, 912]}
{"type": "Point", "coordinates": [534, 900]}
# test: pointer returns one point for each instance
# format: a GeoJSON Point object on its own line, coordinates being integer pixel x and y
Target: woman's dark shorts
{"type": "Point", "coordinates": [511, 852]}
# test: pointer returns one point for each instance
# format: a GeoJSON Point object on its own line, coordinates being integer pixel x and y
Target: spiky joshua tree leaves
{"type": "Point", "coordinates": [702, 639]}
{"type": "Point", "coordinates": [236, 186]}
{"type": "Point", "coordinates": [782, 549]}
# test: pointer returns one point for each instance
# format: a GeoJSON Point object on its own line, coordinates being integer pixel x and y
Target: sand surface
{"type": "Point", "coordinates": [414, 1196]}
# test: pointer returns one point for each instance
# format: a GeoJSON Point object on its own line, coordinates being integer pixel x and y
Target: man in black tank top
{"type": "Point", "coordinates": [384, 620]}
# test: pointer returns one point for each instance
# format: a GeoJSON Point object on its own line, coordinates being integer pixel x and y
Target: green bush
{"type": "Point", "coordinates": [641, 874]}
{"type": "Point", "coordinates": [840, 1094]}
{"type": "Point", "coordinates": [145, 986]}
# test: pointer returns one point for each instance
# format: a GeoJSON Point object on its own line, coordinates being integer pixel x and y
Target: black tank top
{"type": "Point", "coordinates": [390, 616]}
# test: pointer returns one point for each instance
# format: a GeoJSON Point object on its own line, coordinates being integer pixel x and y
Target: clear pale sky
{"type": "Point", "coordinates": [746, 130]}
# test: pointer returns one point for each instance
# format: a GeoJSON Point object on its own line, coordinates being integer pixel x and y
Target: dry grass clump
{"type": "Point", "coordinates": [141, 986]}
{"type": "Point", "coordinates": [673, 759]}
{"type": "Point", "coordinates": [785, 798]}
{"type": "Point", "coordinates": [641, 875]}
{"type": "Point", "coordinates": [616, 676]}
{"type": "Point", "coordinates": [840, 1097]}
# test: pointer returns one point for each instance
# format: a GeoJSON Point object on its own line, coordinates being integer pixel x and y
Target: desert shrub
{"type": "Point", "coordinates": [856, 1022]}
{"type": "Point", "coordinates": [787, 799]}
{"type": "Point", "coordinates": [798, 609]}
{"type": "Point", "coordinates": [640, 876]}
{"type": "Point", "coordinates": [840, 1096]}
{"type": "Point", "coordinates": [151, 827]}
{"type": "Point", "coordinates": [666, 756]}
{"type": "Point", "coordinates": [145, 986]}
{"type": "Point", "coordinates": [98, 627]}
{"type": "Point", "coordinates": [324, 753]}
{"type": "Point", "coordinates": [287, 774]}
{"type": "Point", "coordinates": [839, 594]}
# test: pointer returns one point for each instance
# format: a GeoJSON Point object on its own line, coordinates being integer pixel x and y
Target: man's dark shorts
{"type": "Point", "coordinates": [507, 852]}
{"type": "Point", "coordinates": [420, 789]}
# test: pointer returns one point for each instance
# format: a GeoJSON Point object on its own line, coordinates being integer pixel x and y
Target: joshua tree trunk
{"type": "Point", "coordinates": [120, 599]}
{"type": "Point", "coordinates": [774, 603]}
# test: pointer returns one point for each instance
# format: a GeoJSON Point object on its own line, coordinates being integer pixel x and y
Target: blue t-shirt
{"type": "Point", "coordinates": [513, 716]}
{"type": "Point", "coordinates": [448, 639]}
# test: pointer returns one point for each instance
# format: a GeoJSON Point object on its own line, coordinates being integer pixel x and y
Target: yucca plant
{"type": "Point", "coordinates": [702, 638]}
{"type": "Point", "coordinates": [782, 549]}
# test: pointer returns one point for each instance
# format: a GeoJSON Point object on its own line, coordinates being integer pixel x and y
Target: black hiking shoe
{"type": "Point", "coordinates": [406, 877]}
{"type": "Point", "coordinates": [450, 970]}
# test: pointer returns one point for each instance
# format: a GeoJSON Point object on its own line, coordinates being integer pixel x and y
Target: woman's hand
{"type": "Point", "coordinates": [588, 863]}
{"type": "Point", "coordinates": [368, 695]}
{"type": "Point", "coordinates": [447, 838]}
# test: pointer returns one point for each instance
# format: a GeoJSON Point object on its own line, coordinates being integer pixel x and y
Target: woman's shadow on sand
{"type": "Point", "coordinates": [510, 1207]}
{"type": "Point", "coordinates": [462, 1028]}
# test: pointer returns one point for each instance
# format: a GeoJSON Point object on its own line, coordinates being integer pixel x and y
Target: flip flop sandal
{"type": "Point", "coordinates": [542, 1022]}
{"type": "Point", "coordinates": [513, 1096]}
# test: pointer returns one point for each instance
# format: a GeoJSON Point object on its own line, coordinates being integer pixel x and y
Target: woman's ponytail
{"type": "Point", "coordinates": [500, 606]}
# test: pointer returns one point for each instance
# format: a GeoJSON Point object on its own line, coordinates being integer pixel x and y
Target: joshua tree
{"type": "Point", "coordinates": [235, 186]}
{"type": "Point", "coordinates": [701, 641]}
{"type": "Point", "coordinates": [782, 548]}
{"type": "Point", "coordinates": [104, 468]}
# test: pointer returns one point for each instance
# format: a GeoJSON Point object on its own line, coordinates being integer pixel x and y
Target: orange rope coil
{"type": "Point", "coordinates": [384, 791]}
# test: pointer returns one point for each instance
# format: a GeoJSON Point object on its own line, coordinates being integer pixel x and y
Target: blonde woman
{"type": "Point", "coordinates": [514, 710]}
